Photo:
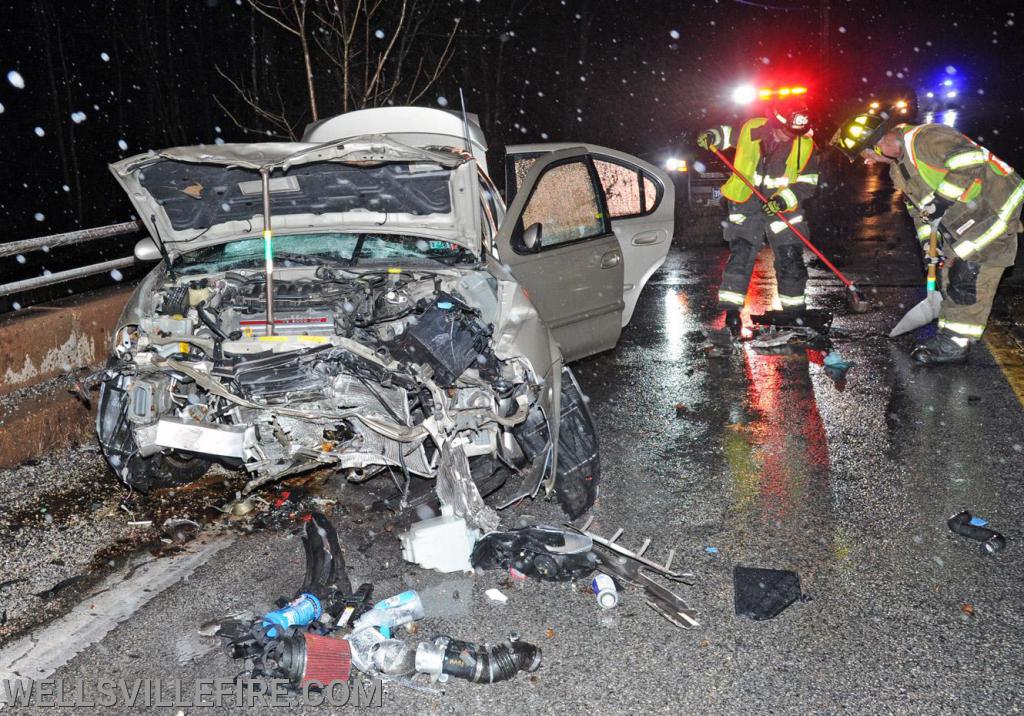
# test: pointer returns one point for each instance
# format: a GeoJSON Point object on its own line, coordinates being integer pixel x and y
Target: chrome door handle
{"type": "Point", "coordinates": [611, 259]}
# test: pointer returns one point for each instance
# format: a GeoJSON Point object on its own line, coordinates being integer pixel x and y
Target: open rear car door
{"type": "Point", "coordinates": [557, 241]}
{"type": "Point", "coordinates": [641, 203]}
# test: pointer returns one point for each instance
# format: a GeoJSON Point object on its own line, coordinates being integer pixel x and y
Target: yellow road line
{"type": "Point", "coordinates": [1009, 355]}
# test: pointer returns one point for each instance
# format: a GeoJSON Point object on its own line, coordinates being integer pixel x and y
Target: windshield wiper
{"type": "Point", "coordinates": [357, 250]}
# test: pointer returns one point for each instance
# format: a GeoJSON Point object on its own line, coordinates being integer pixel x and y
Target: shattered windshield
{"type": "Point", "coordinates": [335, 248]}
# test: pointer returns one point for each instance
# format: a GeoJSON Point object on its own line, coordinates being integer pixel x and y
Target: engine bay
{"type": "Point", "coordinates": [373, 371]}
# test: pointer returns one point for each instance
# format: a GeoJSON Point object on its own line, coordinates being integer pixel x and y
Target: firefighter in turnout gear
{"type": "Point", "coordinates": [776, 154]}
{"type": "Point", "coordinates": [959, 189]}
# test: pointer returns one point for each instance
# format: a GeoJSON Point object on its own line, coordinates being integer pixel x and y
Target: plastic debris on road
{"type": "Point", "coordinates": [761, 594]}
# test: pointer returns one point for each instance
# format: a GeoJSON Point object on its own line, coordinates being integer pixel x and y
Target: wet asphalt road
{"type": "Point", "coordinates": [769, 463]}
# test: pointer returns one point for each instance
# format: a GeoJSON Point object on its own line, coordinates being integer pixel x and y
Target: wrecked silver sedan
{"type": "Point", "coordinates": [366, 302]}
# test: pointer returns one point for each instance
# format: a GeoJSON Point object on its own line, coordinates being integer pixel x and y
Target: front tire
{"type": "Point", "coordinates": [164, 470]}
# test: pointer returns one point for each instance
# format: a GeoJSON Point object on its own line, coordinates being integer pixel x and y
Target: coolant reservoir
{"type": "Point", "coordinates": [443, 543]}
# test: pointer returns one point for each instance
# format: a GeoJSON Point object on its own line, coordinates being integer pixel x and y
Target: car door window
{"type": "Point", "coordinates": [566, 204]}
{"type": "Point", "coordinates": [621, 186]}
{"type": "Point", "coordinates": [628, 189]}
{"type": "Point", "coordinates": [650, 195]}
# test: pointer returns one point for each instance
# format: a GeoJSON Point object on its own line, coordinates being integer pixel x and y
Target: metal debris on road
{"type": "Point", "coordinates": [628, 565]}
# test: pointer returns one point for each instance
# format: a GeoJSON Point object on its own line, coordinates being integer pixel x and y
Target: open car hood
{"type": "Point", "coordinates": [190, 197]}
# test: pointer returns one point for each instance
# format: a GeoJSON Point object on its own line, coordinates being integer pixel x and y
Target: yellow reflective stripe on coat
{"type": "Point", "coordinates": [1008, 209]}
{"type": "Point", "coordinates": [780, 226]}
{"type": "Point", "coordinates": [792, 300]}
{"type": "Point", "coordinates": [971, 330]}
{"type": "Point", "coordinates": [924, 231]}
{"type": "Point", "coordinates": [731, 297]}
{"type": "Point", "coordinates": [811, 179]}
{"type": "Point", "coordinates": [950, 190]}
{"type": "Point", "coordinates": [737, 218]}
{"type": "Point", "coordinates": [970, 158]}
{"type": "Point", "coordinates": [789, 197]}
{"type": "Point", "coordinates": [776, 182]}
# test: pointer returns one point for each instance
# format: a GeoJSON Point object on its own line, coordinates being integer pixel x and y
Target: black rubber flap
{"type": "Point", "coordinates": [763, 593]}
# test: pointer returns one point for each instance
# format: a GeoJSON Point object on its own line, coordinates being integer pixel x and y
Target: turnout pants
{"type": "Point", "coordinates": [745, 231]}
{"type": "Point", "coordinates": [969, 289]}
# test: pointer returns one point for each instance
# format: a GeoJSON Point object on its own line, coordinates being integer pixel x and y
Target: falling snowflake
{"type": "Point", "coordinates": [20, 259]}
{"type": "Point", "coordinates": [40, 132]}
{"type": "Point", "coordinates": [1, 107]}
{"type": "Point", "coordinates": [78, 117]}
{"type": "Point", "coordinates": [442, 101]}
{"type": "Point", "coordinates": [674, 34]}
{"type": "Point", "coordinates": [105, 57]}
{"type": "Point", "coordinates": [122, 145]}
{"type": "Point", "coordinates": [39, 216]}
{"type": "Point", "coordinates": [16, 80]}
{"type": "Point", "coordinates": [65, 187]}
{"type": "Point", "coordinates": [842, 29]}
{"type": "Point", "coordinates": [379, 34]}
{"type": "Point", "coordinates": [950, 70]}
{"type": "Point", "coordinates": [116, 275]}
{"type": "Point", "coordinates": [16, 306]}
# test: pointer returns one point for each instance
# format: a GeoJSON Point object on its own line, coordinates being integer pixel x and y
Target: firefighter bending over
{"type": "Point", "coordinates": [969, 196]}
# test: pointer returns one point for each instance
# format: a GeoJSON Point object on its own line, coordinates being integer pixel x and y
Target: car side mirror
{"type": "Point", "coordinates": [531, 237]}
{"type": "Point", "coordinates": [146, 250]}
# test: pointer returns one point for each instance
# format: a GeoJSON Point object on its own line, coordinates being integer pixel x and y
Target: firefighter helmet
{"type": "Point", "coordinates": [859, 133]}
{"type": "Point", "coordinates": [792, 117]}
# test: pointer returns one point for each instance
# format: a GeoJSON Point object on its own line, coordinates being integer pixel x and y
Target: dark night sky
{"type": "Point", "coordinates": [103, 80]}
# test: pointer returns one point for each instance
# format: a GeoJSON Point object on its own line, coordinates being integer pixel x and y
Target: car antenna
{"type": "Point", "coordinates": [465, 121]}
{"type": "Point", "coordinates": [162, 249]}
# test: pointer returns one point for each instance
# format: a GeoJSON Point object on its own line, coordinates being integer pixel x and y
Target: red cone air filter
{"type": "Point", "coordinates": [327, 659]}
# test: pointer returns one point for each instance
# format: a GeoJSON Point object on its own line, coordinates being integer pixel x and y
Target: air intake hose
{"type": "Point", "coordinates": [481, 664]}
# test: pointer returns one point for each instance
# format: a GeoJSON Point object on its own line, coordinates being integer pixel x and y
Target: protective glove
{"type": "Point", "coordinates": [773, 207]}
{"type": "Point", "coordinates": [934, 211]}
{"type": "Point", "coordinates": [708, 138]}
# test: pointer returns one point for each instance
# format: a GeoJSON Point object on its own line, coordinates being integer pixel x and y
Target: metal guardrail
{"type": "Point", "coordinates": [69, 238]}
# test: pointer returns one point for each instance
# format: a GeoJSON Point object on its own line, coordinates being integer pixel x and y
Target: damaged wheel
{"type": "Point", "coordinates": [159, 471]}
{"type": "Point", "coordinates": [122, 453]}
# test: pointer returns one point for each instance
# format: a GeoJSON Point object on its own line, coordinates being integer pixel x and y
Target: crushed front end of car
{"type": "Point", "coordinates": [385, 354]}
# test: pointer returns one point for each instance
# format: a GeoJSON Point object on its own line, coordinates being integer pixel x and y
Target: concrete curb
{"type": "Point", "coordinates": [43, 342]}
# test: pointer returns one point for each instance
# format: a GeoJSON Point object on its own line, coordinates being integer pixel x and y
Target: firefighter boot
{"type": "Point", "coordinates": [734, 322]}
{"type": "Point", "coordinates": [943, 347]}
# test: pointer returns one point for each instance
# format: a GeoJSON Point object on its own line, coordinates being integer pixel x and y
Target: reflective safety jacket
{"type": "Point", "coordinates": [985, 192]}
{"type": "Point", "coordinates": [786, 170]}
